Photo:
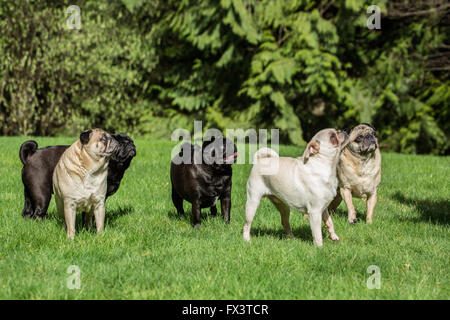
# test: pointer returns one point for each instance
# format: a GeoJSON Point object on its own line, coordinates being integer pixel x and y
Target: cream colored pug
{"type": "Point", "coordinates": [359, 171]}
{"type": "Point", "coordinates": [307, 183]}
{"type": "Point", "coordinates": [79, 179]}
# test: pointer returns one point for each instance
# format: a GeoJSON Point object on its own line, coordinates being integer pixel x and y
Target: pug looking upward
{"type": "Point", "coordinates": [306, 183]}
{"type": "Point", "coordinates": [203, 176]}
{"type": "Point", "coordinates": [80, 178]}
{"type": "Point", "coordinates": [359, 171]}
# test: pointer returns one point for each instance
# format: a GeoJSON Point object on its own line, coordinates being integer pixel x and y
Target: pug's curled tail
{"type": "Point", "coordinates": [27, 149]}
{"type": "Point", "coordinates": [264, 153]}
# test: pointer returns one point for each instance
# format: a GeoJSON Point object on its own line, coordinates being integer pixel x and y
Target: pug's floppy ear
{"type": "Point", "coordinates": [311, 149]}
{"type": "Point", "coordinates": [207, 140]}
{"type": "Point", "coordinates": [85, 136]}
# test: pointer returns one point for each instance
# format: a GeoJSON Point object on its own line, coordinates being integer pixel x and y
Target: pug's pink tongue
{"type": "Point", "coordinates": [230, 158]}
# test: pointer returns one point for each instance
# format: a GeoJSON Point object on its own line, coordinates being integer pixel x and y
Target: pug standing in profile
{"type": "Point", "coordinates": [307, 183]}
{"type": "Point", "coordinates": [80, 178]}
{"type": "Point", "coordinates": [359, 171]}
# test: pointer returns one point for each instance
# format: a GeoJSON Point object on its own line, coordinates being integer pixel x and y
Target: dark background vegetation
{"type": "Point", "coordinates": [148, 67]}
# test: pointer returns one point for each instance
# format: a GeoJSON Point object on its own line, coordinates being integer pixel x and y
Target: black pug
{"type": "Point", "coordinates": [38, 166]}
{"type": "Point", "coordinates": [202, 176]}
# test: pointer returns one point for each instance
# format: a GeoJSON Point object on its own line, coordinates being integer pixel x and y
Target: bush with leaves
{"type": "Point", "coordinates": [148, 67]}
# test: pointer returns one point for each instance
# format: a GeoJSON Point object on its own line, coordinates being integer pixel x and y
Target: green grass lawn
{"type": "Point", "coordinates": [147, 252]}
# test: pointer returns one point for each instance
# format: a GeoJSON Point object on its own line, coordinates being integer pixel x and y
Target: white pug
{"type": "Point", "coordinates": [80, 178]}
{"type": "Point", "coordinates": [307, 183]}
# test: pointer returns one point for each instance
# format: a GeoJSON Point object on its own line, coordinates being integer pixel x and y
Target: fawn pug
{"type": "Point", "coordinates": [307, 183]}
{"type": "Point", "coordinates": [80, 178]}
{"type": "Point", "coordinates": [39, 164]}
{"type": "Point", "coordinates": [359, 171]}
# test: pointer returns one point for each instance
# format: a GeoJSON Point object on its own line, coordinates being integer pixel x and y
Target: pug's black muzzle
{"type": "Point", "coordinates": [369, 144]}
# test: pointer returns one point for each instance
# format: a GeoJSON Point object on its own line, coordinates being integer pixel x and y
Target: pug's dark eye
{"type": "Point", "coordinates": [359, 138]}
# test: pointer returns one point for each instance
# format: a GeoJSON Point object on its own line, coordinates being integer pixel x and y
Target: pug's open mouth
{"type": "Point", "coordinates": [230, 159]}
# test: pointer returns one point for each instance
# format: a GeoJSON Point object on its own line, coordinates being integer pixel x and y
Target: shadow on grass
{"type": "Point", "coordinates": [342, 211]}
{"type": "Point", "coordinates": [110, 217]}
{"type": "Point", "coordinates": [187, 216]}
{"type": "Point", "coordinates": [430, 211]}
{"type": "Point", "coordinates": [118, 212]}
{"type": "Point", "coordinates": [301, 232]}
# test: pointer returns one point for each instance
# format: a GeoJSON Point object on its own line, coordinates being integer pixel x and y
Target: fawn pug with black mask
{"type": "Point", "coordinates": [80, 178]}
{"type": "Point", "coordinates": [359, 171]}
{"type": "Point", "coordinates": [39, 164]}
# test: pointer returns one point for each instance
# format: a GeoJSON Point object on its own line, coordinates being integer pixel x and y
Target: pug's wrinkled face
{"type": "Point", "coordinates": [98, 143]}
{"type": "Point", "coordinates": [328, 142]}
{"type": "Point", "coordinates": [363, 140]}
{"type": "Point", "coordinates": [126, 149]}
{"type": "Point", "coordinates": [219, 151]}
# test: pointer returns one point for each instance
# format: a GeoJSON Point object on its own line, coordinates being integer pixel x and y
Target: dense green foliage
{"type": "Point", "coordinates": [148, 67]}
{"type": "Point", "coordinates": [147, 252]}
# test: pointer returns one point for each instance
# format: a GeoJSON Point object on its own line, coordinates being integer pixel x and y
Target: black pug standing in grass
{"type": "Point", "coordinates": [38, 166]}
{"type": "Point", "coordinates": [203, 176]}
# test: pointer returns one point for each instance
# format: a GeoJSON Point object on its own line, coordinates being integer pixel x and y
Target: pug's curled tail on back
{"type": "Point", "coordinates": [264, 153]}
{"type": "Point", "coordinates": [27, 149]}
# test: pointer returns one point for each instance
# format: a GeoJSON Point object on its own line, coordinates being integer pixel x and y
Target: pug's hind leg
{"type": "Point", "coordinates": [28, 206]}
{"type": "Point", "coordinates": [335, 203]}
{"type": "Point", "coordinates": [329, 225]}
{"type": "Point", "coordinates": [371, 202]}
{"type": "Point", "coordinates": [225, 207]}
{"type": "Point", "coordinates": [284, 212]}
{"type": "Point", "coordinates": [196, 214]}
{"type": "Point", "coordinates": [41, 199]}
{"type": "Point", "coordinates": [315, 221]}
{"type": "Point", "coordinates": [251, 206]}
{"type": "Point", "coordinates": [347, 196]}
{"type": "Point", "coordinates": [177, 202]}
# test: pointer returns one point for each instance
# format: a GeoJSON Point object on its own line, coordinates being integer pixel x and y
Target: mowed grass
{"type": "Point", "coordinates": [147, 252]}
